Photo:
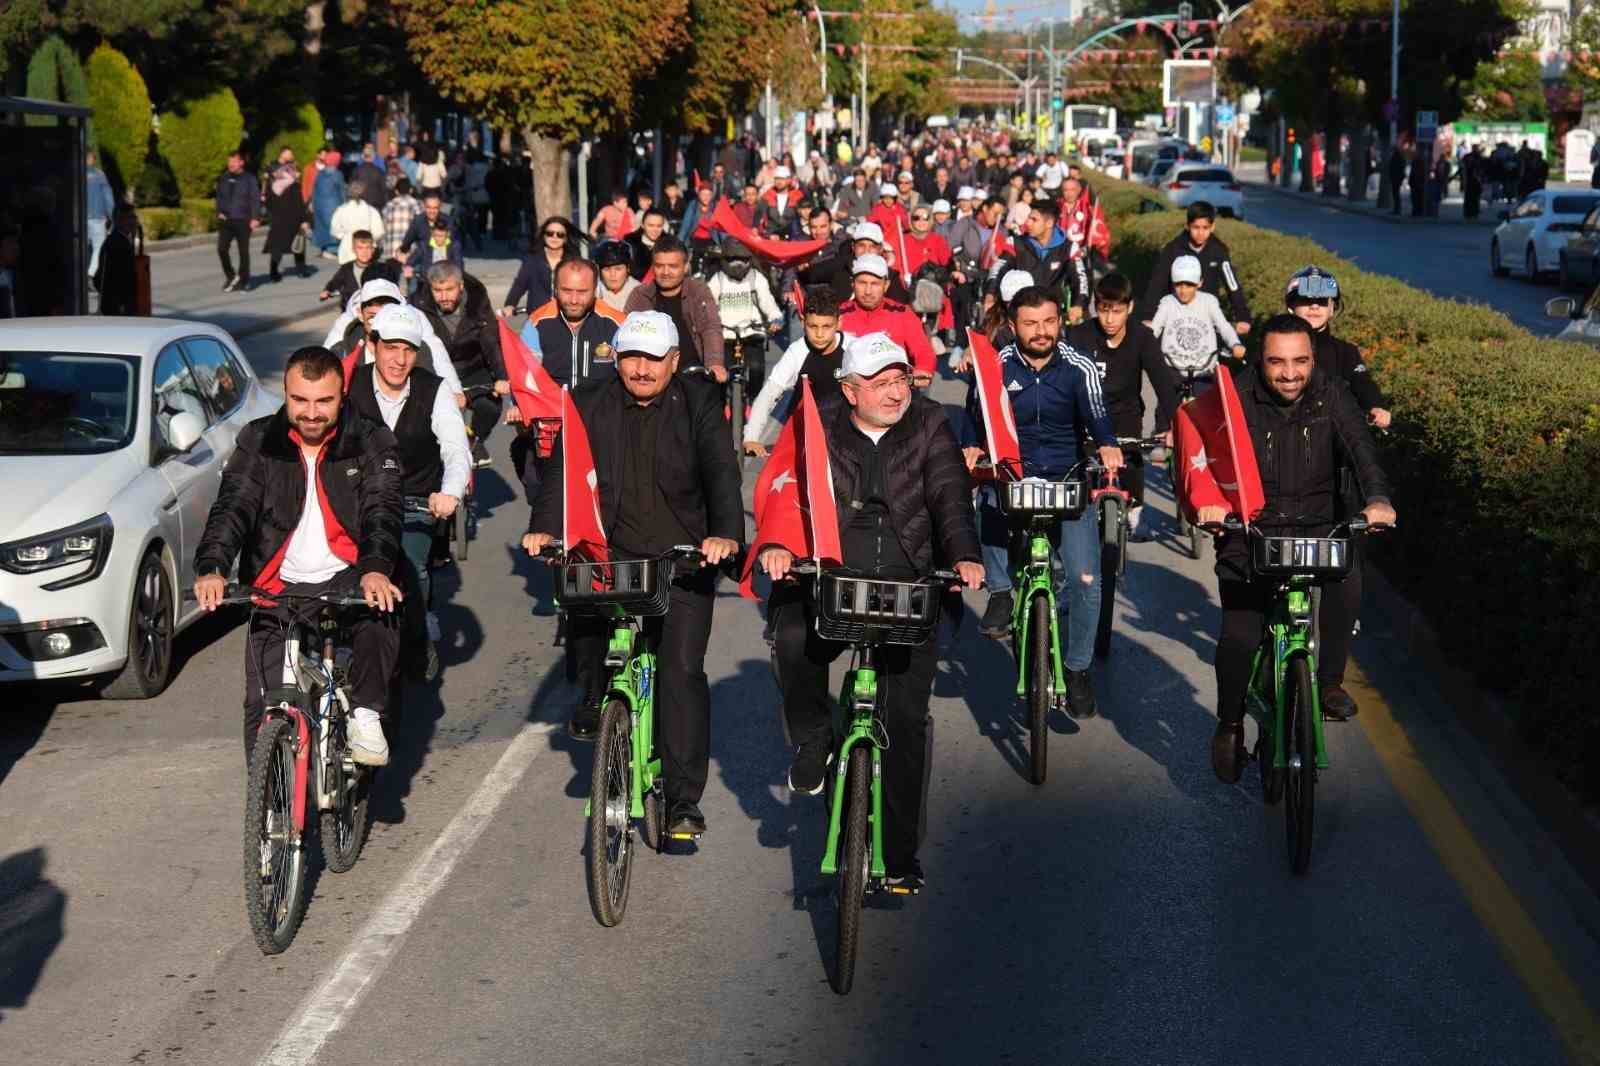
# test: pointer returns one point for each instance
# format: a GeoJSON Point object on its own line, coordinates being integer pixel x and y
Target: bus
{"type": "Point", "coordinates": [1086, 122]}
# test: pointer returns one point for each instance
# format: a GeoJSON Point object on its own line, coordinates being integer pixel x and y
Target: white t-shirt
{"type": "Point", "coordinates": [1051, 175]}
{"type": "Point", "coordinates": [308, 560]}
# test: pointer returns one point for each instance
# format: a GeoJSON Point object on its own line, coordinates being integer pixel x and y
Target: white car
{"type": "Point", "coordinates": [1531, 235]}
{"type": "Point", "coordinates": [1186, 183]}
{"type": "Point", "coordinates": [113, 433]}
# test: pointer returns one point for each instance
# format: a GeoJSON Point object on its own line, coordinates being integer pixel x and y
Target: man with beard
{"type": "Point", "coordinates": [459, 309]}
{"type": "Point", "coordinates": [688, 302]}
{"type": "Point", "coordinates": [353, 329]}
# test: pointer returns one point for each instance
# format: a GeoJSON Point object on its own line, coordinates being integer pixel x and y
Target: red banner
{"type": "Point", "coordinates": [794, 502]}
{"type": "Point", "coordinates": [781, 252]}
{"type": "Point", "coordinates": [999, 426]}
{"type": "Point", "coordinates": [536, 393]}
{"type": "Point", "coordinates": [582, 531]}
{"type": "Point", "coordinates": [352, 361]}
{"type": "Point", "coordinates": [1216, 461]}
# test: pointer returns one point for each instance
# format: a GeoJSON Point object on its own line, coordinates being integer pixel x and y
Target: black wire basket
{"type": "Point", "coordinates": [1323, 558]}
{"type": "Point", "coordinates": [855, 609]}
{"type": "Point", "coordinates": [625, 586]}
{"type": "Point", "coordinates": [1031, 498]}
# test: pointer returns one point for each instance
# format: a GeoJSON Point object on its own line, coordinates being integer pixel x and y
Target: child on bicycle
{"type": "Point", "coordinates": [817, 354]}
{"type": "Point", "coordinates": [1190, 322]}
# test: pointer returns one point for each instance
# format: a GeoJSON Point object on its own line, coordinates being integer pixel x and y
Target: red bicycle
{"type": "Point", "coordinates": [1112, 502]}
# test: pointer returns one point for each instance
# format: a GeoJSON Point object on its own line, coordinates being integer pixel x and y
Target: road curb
{"type": "Point", "coordinates": [1339, 203]}
{"type": "Point", "coordinates": [180, 244]}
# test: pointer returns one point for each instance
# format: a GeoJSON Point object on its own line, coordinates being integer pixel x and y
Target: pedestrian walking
{"type": "Point", "coordinates": [115, 275]}
{"type": "Point", "coordinates": [1396, 175]}
{"type": "Point", "coordinates": [327, 193]}
{"type": "Point", "coordinates": [353, 215]}
{"type": "Point", "coordinates": [286, 215]}
{"type": "Point", "coordinates": [100, 205]}
{"type": "Point", "coordinates": [374, 183]}
{"type": "Point", "coordinates": [238, 198]}
{"type": "Point", "coordinates": [1472, 182]}
{"type": "Point", "coordinates": [1418, 181]}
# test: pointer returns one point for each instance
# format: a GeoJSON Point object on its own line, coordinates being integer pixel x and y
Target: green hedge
{"type": "Point", "coordinates": [195, 216]}
{"type": "Point", "coordinates": [1495, 453]}
{"type": "Point", "coordinates": [121, 105]}
{"type": "Point", "coordinates": [301, 128]}
{"type": "Point", "coordinates": [54, 73]}
{"type": "Point", "coordinates": [196, 137]}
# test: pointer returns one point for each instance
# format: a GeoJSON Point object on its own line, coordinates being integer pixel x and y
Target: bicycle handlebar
{"type": "Point", "coordinates": [556, 551]}
{"type": "Point", "coordinates": [1356, 525]}
{"type": "Point", "coordinates": [249, 594]}
{"type": "Point", "coordinates": [812, 568]}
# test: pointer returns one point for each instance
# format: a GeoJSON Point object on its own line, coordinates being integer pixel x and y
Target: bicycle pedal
{"type": "Point", "coordinates": [684, 836]}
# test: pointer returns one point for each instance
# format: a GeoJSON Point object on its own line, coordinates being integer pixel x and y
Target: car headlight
{"type": "Point", "coordinates": [88, 542]}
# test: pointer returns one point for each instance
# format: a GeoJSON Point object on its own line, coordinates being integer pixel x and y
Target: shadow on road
{"type": "Point", "coordinates": [32, 912]}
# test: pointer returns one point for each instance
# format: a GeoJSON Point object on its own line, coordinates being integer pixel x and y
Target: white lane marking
{"type": "Point", "coordinates": [327, 1008]}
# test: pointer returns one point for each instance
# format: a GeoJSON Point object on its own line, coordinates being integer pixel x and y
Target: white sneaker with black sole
{"type": "Point", "coordinates": [367, 744]}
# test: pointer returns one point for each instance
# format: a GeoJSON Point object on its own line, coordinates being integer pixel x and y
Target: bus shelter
{"type": "Point", "coordinates": [44, 258]}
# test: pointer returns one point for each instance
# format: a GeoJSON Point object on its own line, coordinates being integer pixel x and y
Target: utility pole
{"type": "Point", "coordinates": [1050, 58]}
{"type": "Point", "coordinates": [866, 105]}
{"type": "Point", "coordinates": [1394, 76]}
{"type": "Point", "coordinates": [822, 54]}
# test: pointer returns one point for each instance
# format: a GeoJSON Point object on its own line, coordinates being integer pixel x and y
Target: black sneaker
{"type": "Point", "coordinates": [1080, 694]}
{"type": "Point", "coordinates": [907, 880]}
{"type": "Point", "coordinates": [685, 819]}
{"type": "Point", "coordinates": [585, 722]}
{"type": "Point", "coordinates": [810, 768]}
{"type": "Point", "coordinates": [997, 616]}
{"type": "Point", "coordinates": [1228, 755]}
{"type": "Point", "coordinates": [1337, 706]}
{"type": "Point", "coordinates": [480, 454]}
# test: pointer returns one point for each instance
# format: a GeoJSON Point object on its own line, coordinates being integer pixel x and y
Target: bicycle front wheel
{"type": "Point", "coordinates": [610, 832]}
{"type": "Point", "coordinates": [852, 869]}
{"type": "Point", "coordinates": [736, 413]}
{"type": "Point", "coordinates": [1041, 673]}
{"type": "Point", "coordinates": [274, 862]}
{"type": "Point", "coordinates": [1300, 777]}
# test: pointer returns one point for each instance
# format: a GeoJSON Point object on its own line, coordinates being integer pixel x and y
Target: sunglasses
{"type": "Point", "coordinates": [556, 233]}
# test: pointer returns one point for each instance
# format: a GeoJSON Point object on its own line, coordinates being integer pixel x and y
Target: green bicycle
{"type": "Point", "coordinates": [866, 613]}
{"type": "Point", "coordinates": [1284, 697]}
{"type": "Point", "coordinates": [626, 784]}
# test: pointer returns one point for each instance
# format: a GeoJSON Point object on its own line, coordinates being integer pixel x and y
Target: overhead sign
{"type": "Point", "coordinates": [1187, 81]}
{"type": "Point", "coordinates": [1224, 114]}
{"type": "Point", "coordinates": [1427, 125]}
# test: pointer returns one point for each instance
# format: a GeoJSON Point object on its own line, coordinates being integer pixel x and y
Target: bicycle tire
{"type": "Point", "coordinates": [852, 870]}
{"type": "Point", "coordinates": [275, 899]}
{"type": "Point", "coordinates": [1108, 597]}
{"type": "Point", "coordinates": [1040, 674]}
{"type": "Point", "coordinates": [610, 796]}
{"type": "Point", "coordinates": [736, 413]}
{"type": "Point", "coordinates": [1110, 520]}
{"type": "Point", "coordinates": [1300, 782]}
{"type": "Point", "coordinates": [459, 528]}
{"type": "Point", "coordinates": [343, 830]}
{"type": "Point", "coordinates": [655, 820]}
{"type": "Point", "coordinates": [1196, 545]}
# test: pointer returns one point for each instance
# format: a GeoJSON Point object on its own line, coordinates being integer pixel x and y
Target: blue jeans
{"type": "Point", "coordinates": [416, 540]}
{"type": "Point", "coordinates": [1077, 591]}
{"type": "Point", "coordinates": [97, 238]}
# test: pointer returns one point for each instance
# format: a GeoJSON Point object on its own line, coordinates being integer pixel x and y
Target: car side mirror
{"type": "Point", "coordinates": [1561, 307]}
{"type": "Point", "coordinates": [184, 431]}
{"type": "Point", "coordinates": [1505, 216]}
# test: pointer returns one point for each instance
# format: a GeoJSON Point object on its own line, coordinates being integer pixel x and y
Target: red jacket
{"type": "Point", "coordinates": [886, 216]}
{"type": "Point", "coordinates": [898, 321]}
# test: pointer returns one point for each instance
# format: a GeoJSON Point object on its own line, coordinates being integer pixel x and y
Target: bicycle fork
{"type": "Point", "coordinates": [1021, 618]}
{"type": "Point", "coordinates": [861, 697]}
{"type": "Point", "coordinates": [1288, 642]}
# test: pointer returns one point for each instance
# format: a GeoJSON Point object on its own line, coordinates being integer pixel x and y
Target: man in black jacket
{"type": "Point", "coordinates": [1052, 260]}
{"type": "Point", "coordinates": [310, 502]}
{"type": "Point", "coordinates": [238, 201]}
{"type": "Point", "coordinates": [666, 475]}
{"type": "Point", "coordinates": [906, 509]}
{"type": "Point", "coordinates": [462, 316]}
{"type": "Point", "coordinates": [1217, 275]}
{"type": "Point", "coordinates": [365, 267]}
{"type": "Point", "coordinates": [116, 276]}
{"type": "Point", "coordinates": [1304, 428]}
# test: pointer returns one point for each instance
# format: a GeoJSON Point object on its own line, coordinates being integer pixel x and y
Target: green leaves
{"type": "Point", "coordinates": [121, 115]}
{"type": "Point", "coordinates": [196, 137]}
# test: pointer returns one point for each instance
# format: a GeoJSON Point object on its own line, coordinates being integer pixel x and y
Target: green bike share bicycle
{"type": "Point", "coordinates": [866, 613]}
{"type": "Point", "coordinates": [1284, 697]}
{"type": "Point", "coordinates": [627, 783]}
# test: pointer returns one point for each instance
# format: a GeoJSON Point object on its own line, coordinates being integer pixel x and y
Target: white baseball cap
{"type": "Point", "coordinates": [966, 192]}
{"type": "Point", "coordinates": [378, 288]}
{"type": "Point", "coordinates": [905, 175]}
{"type": "Point", "coordinates": [1186, 268]}
{"type": "Point", "coordinates": [941, 207]}
{"type": "Point", "coordinates": [650, 333]}
{"type": "Point", "coordinates": [782, 172]}
{"type": "Point", "coordinates": [398, 322]}
{"type": "Point", "coordinates": [867, 231]}
{"type": "Point", "coordinates": [869, 264]}
{"type": "Point", "coordinates": [887, 189]}
{"type": "Point", "coordinates": [1013, 282]}
{"type": "Point", "coordinates": [869, 354]}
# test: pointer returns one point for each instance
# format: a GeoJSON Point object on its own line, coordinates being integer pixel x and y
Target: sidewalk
{"type": "Point", "coordinates": [1451, 208]}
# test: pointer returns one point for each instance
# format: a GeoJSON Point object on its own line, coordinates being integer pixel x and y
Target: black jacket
{"type": "Point", "coordinates": [1342, 361]}
{"type": "Point", "coordinates": [344, 281]}
{"type": "Point", "coordinates": [238, 196]}
{"type": "Point", "coordinates": [1056, 267]}
{"type": "Point", "coordinates": [695, 462]}
{"type": "Point", "coordinates": [930, 491]}
{"type": "Point", "coordinates": [1303, 452]}
{"type": "Point", "coordinates": [536, 280]}
{"type": "Point", "coordinates": [1120, 370]}
{"type": "Point", "coordinates": [264, 490]}
{"type": "Point", "coordinates": [1217, 276]}
{"type": "Point", "coordinates": [474, 346]}
{"type": "Point", "coordinates": [115, 277]}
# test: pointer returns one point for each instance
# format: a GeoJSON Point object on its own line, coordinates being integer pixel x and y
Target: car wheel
{"type": "Point", "coordinates": [150, 627]}
{"type": "Point", "coordinates": [1496, 267]}
{"type": "Point", "coordinates": [1530, 263]}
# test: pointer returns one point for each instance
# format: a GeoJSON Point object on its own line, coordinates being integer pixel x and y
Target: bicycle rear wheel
{"type": "Point", "coordinates": [1041, 673]}
{"type": "Point", "coordinates": [852, 870]}
{"type": "Point", "coordinates": [610, 831]}
{"type": "Point", "coordinates": [343, 832]}
{"type": "Point", "coordinates": [655, 819]}
{"type": "Point", "coordinates": [274, 864]}
{"type": "Point", "coordinates": [1300, 777]}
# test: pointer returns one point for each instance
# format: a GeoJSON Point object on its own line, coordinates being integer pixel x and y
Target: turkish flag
{"type": "Point", "coordinates": [582, 531]}
{"type": "Point", "coordinates": [997, 248]}
{"type": "Point", "coordinates": [536, 393]}
{"type": "Point", "coordinates": [794, 502]}
{"type": "Point", "coordinates": [781, 252]}
{"type": "Point", "coordinates": [1216, 461]}
{"type": "Point", "coordinates": [999, 425]}
{"type": "Point", "coordinates": [353, 360]}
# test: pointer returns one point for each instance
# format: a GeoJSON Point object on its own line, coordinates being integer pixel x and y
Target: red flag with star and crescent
{"type": "Point", "coordinates": [583, 533]}
{"type": "Point", "coordinates": [999, 425]}
{"type": "Point", "coordinates": [352, 361]}
{"type": "Point", "coordinates": [536, 393]}
{"type": "Point", "coordinates": [1216, 460]}
{"type": "Point", "coordinates": [794, 502]}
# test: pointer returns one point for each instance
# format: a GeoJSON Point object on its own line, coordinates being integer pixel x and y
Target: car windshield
{"type": "Point", "coordinates": [1574, 205]}
{"type": "Point", "coordinates": [63, 403]}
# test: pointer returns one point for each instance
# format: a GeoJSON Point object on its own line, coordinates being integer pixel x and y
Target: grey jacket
{"type": "Point", "coordinates": [699, 307]}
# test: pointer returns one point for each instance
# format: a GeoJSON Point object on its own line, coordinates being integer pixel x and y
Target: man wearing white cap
{"type": "Point", "coordinates": [776, 213]}
{"type": "Point", "coordinates": [867, 238]}
{"type": "Point", "coordinates": [869, 310]}
{"type": "Point", "coordinates": [435, 458]}
{"type": "Point", "coordinates": [354, 327]}
{"type": "Point", "coordinates": [665, 476]}
{"type": "Point", "coordinates": [941, 219]}
{"type": "Point", "coordinates": [904, 508]}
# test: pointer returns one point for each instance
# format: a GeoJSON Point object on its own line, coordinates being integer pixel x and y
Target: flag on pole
{"type": "Point", "coordinates": [536, 393]}
{"type": "Point", "coordinates": [999, 425]}
{"type": "Point", "coordinates": [1216, 461]}
{"type": "Point", "coordinates": [781, 252]}
{"type": "Point", "coordinates": [582, 531]}
{"type": "Point", "coordinates": [794, 502]}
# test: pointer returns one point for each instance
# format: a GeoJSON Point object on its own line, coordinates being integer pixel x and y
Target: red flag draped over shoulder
{"type": "Point", "coordinates": [536, 393]}
{"type": "Point", "coordinates": [781, 252]}
{"type": "Point", "coordinates": [999, 425]}
{"type": "Point", "coordinates": [1216, 461]}
{"type": "Point", "coordinates": [582, 531]}
{"type": "Point", "coordinates": [794, 502]}
{"type": "Point", "coordinates": [352, 361]}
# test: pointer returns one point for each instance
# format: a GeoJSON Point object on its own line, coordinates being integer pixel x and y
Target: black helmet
{"type": "Point", "coordinates": [613, 253]}
{"type": "Point", "coordinates": [1313, 283]}
{"type": "Point", "coordinates": [734, 249]}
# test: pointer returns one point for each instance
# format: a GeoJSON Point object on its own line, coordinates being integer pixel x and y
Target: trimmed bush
{"type": "Point", "coordinates": [54, 73]}
{"type": "Point", "coordinates": [1494, 454]}
{"type": "Point", "coordinates": [158, 186]}
{"type": "Point", "coordinates": [196, 137]}
{"type": "Point", "coordinates": [300, 128]}
{"type": "Point", "coordinates": [121, 105]}
{"type": "Point", "coordinates": [192, 217]}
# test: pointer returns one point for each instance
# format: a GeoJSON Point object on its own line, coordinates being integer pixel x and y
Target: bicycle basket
{"type": "Point", "coordinates": [633, 586]}
{"type": "Point", "coordinates": [1031, 497]}
{"type": "Point", "coordinates": [853, 609]}
{"type": "Point", "coordinates": [1317, 557]}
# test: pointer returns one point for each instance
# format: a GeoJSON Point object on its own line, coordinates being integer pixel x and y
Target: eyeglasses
{"type": "Point", "coordinates": [920, 217]}
{"type": "Point", "coordinates": [556, 233]}
{"type": "Point", "coordinates": [878, 388]}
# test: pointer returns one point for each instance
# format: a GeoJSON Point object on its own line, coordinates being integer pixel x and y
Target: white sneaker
{"type": "Point", "coordinates": [433, 627]}
{"type": "Point", "coordinates": [367, 744]}
{"type": "Point", "coordinates": [1136, 531]}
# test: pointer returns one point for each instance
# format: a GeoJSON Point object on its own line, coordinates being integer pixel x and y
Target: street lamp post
{"type": "Point", "coordinates": [822, 54]}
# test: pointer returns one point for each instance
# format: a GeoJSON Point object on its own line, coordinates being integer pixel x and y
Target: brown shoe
{"type": "Point", "coordinates": [1228, 756]}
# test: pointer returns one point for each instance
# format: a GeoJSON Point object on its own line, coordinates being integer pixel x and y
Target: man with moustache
{"type": "Point", "coordinates": [665, 476]}
{"type": "Point", "coordinates": [309, 503]}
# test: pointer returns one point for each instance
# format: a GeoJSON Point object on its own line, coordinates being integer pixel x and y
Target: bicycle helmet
{"type": "Point", "coordinates": [735, 260]}
{"type": "Point", "coordinates": [1313, 283]}
{"type": "Point", "coordinates": [613, 253]}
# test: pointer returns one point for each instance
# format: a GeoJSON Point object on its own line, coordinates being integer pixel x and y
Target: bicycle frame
{"type": "Point", "coordinates": [308, 675]}
{"type": "Point", "coordinates": [632, 681]}
{"type": "Point", "coordinates": [856, 719]}
{"type": "Point", "coordinates": [1287, 637]}
{"type": "Point", "coordinates": [1034, 575]}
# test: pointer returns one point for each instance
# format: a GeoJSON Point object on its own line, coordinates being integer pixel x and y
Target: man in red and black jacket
{"type": "Point", "coordinates": [311, 502]}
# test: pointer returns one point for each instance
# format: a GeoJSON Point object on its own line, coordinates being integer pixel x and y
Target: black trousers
{"type": "Point", "coordinates": [1244, 610]}
{"type": "Point", "coordinates": [905, 681]}
{"type": "Point", "coordinates": [483, 411]}
{"type": "Point", "coordinates": [682, 693]}
{"type": "Point", "coordinates": [274, 260]}
{"type": "Point", "coordinates": [374, 640]}
{"type": "Point", "coordinates": [230, 231]}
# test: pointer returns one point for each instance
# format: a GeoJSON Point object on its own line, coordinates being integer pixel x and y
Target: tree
{"type": "Point", "coordinates": [300, 128]}
{"type": "Point", "coordinates": [196, 137]}
{"type": "Point", "coordinates": [719, 69]}
{"type": "Point", "coordinates": [122, 116]}
{"type": "Point", "coordinates": [54, 73]}
{"type": "Point", "coordinates": [558, 71]}
{"type": "Point", "coordinates": [1508, 88]}
{"type": "Point", "coordinates": [908, 58]}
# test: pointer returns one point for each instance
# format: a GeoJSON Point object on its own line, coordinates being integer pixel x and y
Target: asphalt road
{"type": "Point", "coordinates": [1132, 910]}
